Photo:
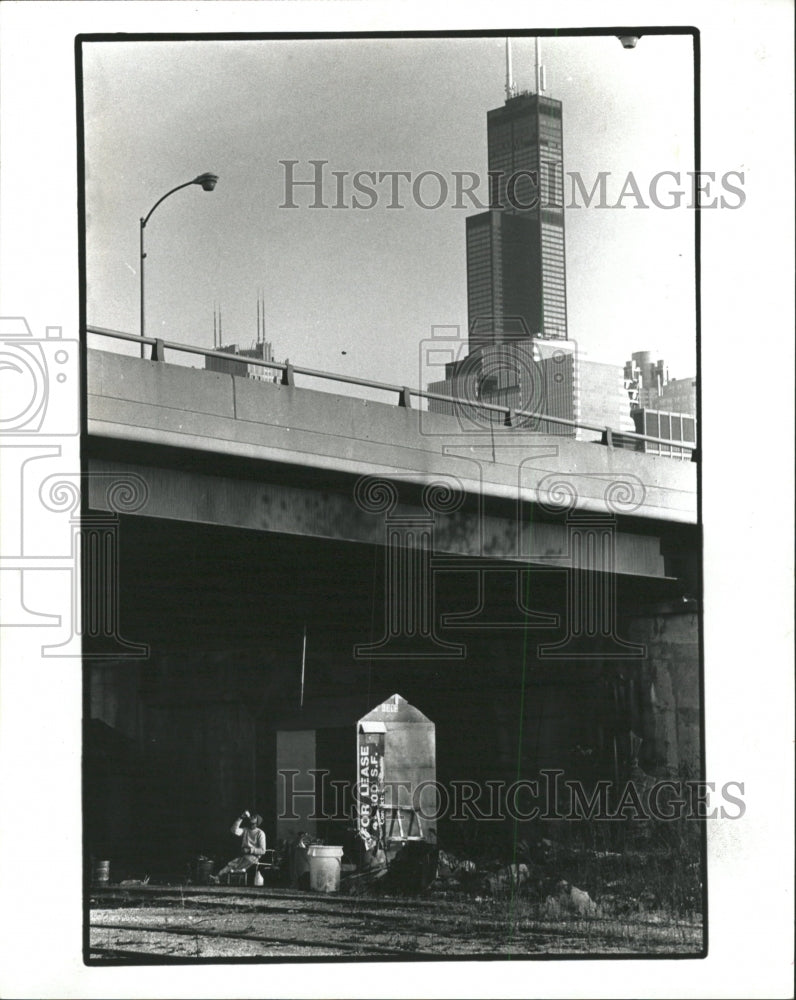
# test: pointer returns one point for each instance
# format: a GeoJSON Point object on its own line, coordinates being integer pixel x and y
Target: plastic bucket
{"type": "Point", "coordinates": [325, 868]}
{"type": "Point", "coordinates": [100, 872]}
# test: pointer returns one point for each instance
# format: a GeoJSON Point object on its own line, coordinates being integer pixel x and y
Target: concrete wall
{"type": "Point", "coordinates": [670, 694]}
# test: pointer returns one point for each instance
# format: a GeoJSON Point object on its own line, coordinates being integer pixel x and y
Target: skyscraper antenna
{"type": "Point", "coordinates": [541, 82]}
{"type": "Point", "coordinates": [509, 80]}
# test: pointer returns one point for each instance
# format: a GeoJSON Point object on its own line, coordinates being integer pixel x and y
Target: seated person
{"type": "Point", "coordinates": [252, 846]}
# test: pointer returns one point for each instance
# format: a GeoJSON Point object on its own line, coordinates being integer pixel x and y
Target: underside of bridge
{"type": "Point", "coordinates": [183, 735]}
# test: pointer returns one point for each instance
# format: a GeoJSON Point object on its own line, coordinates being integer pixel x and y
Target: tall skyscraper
{"type": "Point", "coordinates": [515, 250]}
{"type": "Point", "coordinates": [519, 355]}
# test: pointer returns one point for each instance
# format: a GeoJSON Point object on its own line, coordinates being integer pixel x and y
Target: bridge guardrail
{"type": "Point", "coordinates": [405, 393]}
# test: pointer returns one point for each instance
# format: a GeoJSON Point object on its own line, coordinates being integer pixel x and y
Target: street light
{"type": "Point", "coordinates": [207, 182]}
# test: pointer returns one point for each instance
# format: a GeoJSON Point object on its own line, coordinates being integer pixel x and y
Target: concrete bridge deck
{"type": "Point", "coordinates": [152, 403]}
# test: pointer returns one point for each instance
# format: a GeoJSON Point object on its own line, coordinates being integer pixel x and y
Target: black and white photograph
{"type": "Point", "coordinates": [375, 521]}
{"type": "Point", "coordinates": [405, 509]}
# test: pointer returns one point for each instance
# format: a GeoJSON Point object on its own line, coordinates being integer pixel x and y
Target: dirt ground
{"type": "Point", "coordinates": [152, 923]}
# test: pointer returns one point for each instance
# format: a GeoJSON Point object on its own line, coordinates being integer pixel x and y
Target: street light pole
{"type": "Point", "coordinates": [207, 182]}
{"type": "Point", "coordinates": [141, 274]}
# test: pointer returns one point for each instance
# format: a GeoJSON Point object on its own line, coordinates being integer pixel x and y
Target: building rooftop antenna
{"type": "Point", "coordinates": [539, 70]}
{"type": "Point", "coordinates": [511, 90]}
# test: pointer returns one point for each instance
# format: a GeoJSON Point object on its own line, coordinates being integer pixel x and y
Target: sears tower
{"type": "Point", "coordinates": [519, 352]}
{"type": "Point", "coordinates": [516, 277]}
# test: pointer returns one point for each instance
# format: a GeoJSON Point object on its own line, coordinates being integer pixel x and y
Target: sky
{"type": "Point", "coordinates": [360, 291]}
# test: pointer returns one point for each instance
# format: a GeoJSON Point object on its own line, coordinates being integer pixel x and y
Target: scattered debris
{"type": "Point", "coordinates": [362, 882]}
{"type": "Point", "coordinates": [507, 878]}
{"type": "Point", "coordinates": [570, 899]}
{"type": "Point", "coordinates": [414, 867]}
{"type": "Point", "coordinates": [451, 868]}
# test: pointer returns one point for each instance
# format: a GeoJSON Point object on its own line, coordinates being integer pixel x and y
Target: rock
{"type": "Point", "coordinates": [570, 899]}
{"type": "Point", "coordinates": [582, 903]}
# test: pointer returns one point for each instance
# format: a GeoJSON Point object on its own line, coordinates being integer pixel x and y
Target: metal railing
{"type": "Point", "coordinates": [405, 393]}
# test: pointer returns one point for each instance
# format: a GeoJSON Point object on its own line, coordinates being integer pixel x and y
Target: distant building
{"type": "Point", "coordinates": [649, 386]}
{"type": "Point", "coordinates": [679, 396]}
{"type": "Point", "coordinates": [532, 375]}
{"type": "Point", "coordinates": [670, 426]}
{"type": "Point", "coordinates": [547, 377]}
{"type": "Point", "coordinates": [661, 406]}
{"type": "Point", "coordinates": [261, 350]}
{"type": "Point", "coordinates": [645, 378]}
{"type": "Point", "coordinates": [601, 397]}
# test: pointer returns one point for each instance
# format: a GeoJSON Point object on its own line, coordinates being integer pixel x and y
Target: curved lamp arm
{"type": "Point", "coordinates": [207, 181]}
